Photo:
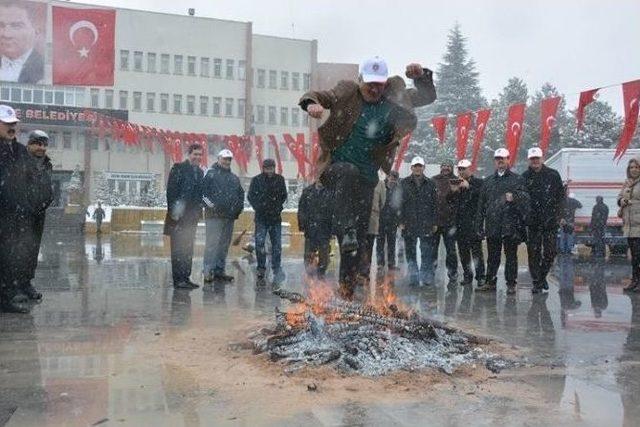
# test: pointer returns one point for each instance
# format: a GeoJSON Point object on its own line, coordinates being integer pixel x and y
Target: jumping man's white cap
{"type": "Point", "coordinates": [374, 70]}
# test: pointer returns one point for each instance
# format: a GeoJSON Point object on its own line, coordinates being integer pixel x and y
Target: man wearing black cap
{"type": "Point", "coordinates": [267, 194]}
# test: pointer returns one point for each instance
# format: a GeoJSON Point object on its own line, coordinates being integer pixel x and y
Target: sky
{"type": "Point", "coordinates": [574, 44]}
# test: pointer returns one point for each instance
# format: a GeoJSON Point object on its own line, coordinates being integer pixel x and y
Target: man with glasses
{"type": "Point", "coordinates": [502, 212]}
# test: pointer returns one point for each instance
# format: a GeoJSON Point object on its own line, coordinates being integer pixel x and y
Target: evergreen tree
{"type": "Point", "coordinates": [601, 127]}
{"type": "Point", "coordinates": [458, 88]}
{"type": "Point", "coordinates": [102, 191]}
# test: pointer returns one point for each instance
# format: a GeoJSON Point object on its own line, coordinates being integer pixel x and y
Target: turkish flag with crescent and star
{"type": "Point", "coordinates": [83, 46]}
{"type": "Point", "coordinates": [514, 130]}
{"type": "Point", "coordinates": [478, 136]}
{"type": "Point", "coordinates": [631, 96]}
{"type": "Point", "coordinates": [548, 111]}
{"type": "Point", "coordinates": [463, 124]}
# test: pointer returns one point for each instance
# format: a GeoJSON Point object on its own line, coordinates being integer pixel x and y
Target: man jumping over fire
{"type": "Point", "coordinates": [366, 122]}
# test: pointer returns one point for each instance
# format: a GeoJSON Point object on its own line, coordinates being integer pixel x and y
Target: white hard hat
{"type": "Point", "coordinates": [8, 114]}
{"type": "Point", "coordinates": [534, 152]}
{"type": "Point", "coordinates": [417, 160]}
{"type": "Point", "coordinates": [464, 163]}
{"type": "Point", "coordinates": [374, 70]}
{"type": "Point", "coordinates": [227, 154]}
{"type": "Point", "coordinates": [501, 152]}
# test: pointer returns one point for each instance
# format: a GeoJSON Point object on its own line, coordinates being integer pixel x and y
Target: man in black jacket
{"type": "Point", "coordinates": [267, 194]}
{"type": "Point", "coordinates": [418, 221]}
{"type": "Point", "coordinates": [546, 194]}
{"type": "Point", "coordinates": [502, 212]}
{"type": "Point", "coordinates": [389, 219]}
{"type": "Point", "coordinates": [15, 210]}
{"type": "Point", "coordinates": [223, 199]}
{"type": "Point", "coordinates": [599, 217]}
{"type": "Point", "coordinates": [41, 197]}
{"type": "Point", "coordinates": [446, 220]}
{"type": "Point", "coordinates": [315, 211]}
{"type": "Point", "coordinates": [184, 209]}
{"type": "Point", "coordinates": [466, 192]}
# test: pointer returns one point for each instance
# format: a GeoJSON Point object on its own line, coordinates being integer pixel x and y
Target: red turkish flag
{"type": "Point", "coordinates": [440, 124]}
{"type": "Point", "coordinates": [586, 98]}
{"type": "Point", "coordinates": [273, 141]}
{"type": "Point", "coordinates": [481, 126]}
{"type": "Point", "coordinates": [404, 146]}
{"type": "Point", "coordinates": [296, 146]}
{"type": "Point", "coordinates": [548, 111]}
{"type": "Point", "coordinates": [463, 124]}
{"type": "Point", "coordinates": [514, 130]}
{"type": "Point", "coordinates": [631, 95]}
{"type": "Point", "coordinates": [83, 46]}
{"type": "Point", "coordinates": [259, 149]}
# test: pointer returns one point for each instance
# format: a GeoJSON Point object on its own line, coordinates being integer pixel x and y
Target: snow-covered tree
{"type": "Point", "coordinates": [102, 191]}
{"type": "Point", "coordinates": [152, 197]}
{"type": "Point", "coordinates": [601, 127]}
{"type": "Point", "coordinates": [75, 182]}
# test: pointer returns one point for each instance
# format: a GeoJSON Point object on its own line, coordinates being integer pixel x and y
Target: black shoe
{"type": "Point", "coordinates": [222, 277]}
{"type": "Point", "coordinates": [487, 287]}
{"type": "Point", "coordinates": [545, 285]}
{"type": "Point", "coordinates": [480, 282]}
{"type": "Point", "coordinates": [349, 242]}
{"type": "Point", "coordinates": [193, 285]}
{"type": "Point", "coordinates": [14, 306]}
{"type": "Point", "coordinates": [536, 289]}
{"type": "Point", "coordinates": [183, 285]}
{"type": "Point", "coordinates": [466, 281]}
{"type": "Point", "coordinates": [511, 288]}
{"type": "Point", "coordinates": [32, 293]}
{"type": "Point", "coordinates": [208, 278]}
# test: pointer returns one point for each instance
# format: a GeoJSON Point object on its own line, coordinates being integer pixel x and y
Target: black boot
{"type": "Point", "coordinates": [14, 306]}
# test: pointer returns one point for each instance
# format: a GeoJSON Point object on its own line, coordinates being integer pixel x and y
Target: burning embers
{"type": "Point", "coordinates": [374, 338]}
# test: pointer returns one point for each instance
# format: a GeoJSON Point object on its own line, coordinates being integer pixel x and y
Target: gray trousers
{"type": "Point", "coordinates": [218, 238]}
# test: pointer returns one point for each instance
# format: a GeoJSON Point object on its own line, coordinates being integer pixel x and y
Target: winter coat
{"type": "Point", "coordinates": [630, 213]}
{"type": "Point", "coordinates": [446, 213]}
{"type": "Point", "coordinates": [315, 213]}
{"type": "Point", "coordinates": [418, 207]}
{"type": "Point", "coordinates": [267, 196]}
{"type": "Point", "coordinates": [390, 215]}
{"type": "Point", "coordinates": [497, 218]}
{"type": "Point", "coordinates": [222, 189]}
{"type": "Point", "coordinates": [599, 217]}
{"type": "Point", "coordinates": [16, 174]}
{"type": "Point", "coordinates": [547, 196]}
{"type": "Point", "coordinates": [466, 201]}
{"type": "Point", "coordinates": [345, 103]}
{"type": "Point", "coordinates": [40, 187]}
{"type": "Point", "coordinates": [379, 199]}
{"type": "Point", "coordinates": [184, 196]}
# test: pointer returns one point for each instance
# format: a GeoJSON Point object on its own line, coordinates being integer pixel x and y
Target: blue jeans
{"type": "Point", "coordinates": [426, 257]}
{"type": "Point", "coordinates": [218, 238]}
{"type": "Point", "coordinates": [275, 237]}
{"type": "Point", "coordinates": [566, 242]}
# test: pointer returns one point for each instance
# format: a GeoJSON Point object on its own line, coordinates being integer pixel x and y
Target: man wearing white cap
{"type": "Point", "coordinates": [502, 214]}
{"type": "Point", "coordinates": [184, 199]}
{"type": "Point", "coordinates": [14, 212]}
{"type": "Point", "coordinates": [367, 120]}
{"type": "Point", "coordinates": [544, 186]}
{"type": "Point", "coordinates": [223, 199]}
{"type": "Point", "coordinates": [466, 192]}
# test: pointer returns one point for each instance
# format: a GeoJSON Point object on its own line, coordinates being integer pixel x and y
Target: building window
{"type": "Point", "coordinates": [95, 98]}
{"type": "Point", "coordinates": [108, 98]}
{"type": "Point", "coordinates": [307, 81]}
{"type": "Point", "coordinates": [177, 64]}
{"type": "Point", "coordinates": [242, 70]}
{"type": "Point", "coordinates": [216, 106]}
{"type": "Point", "coordinates": [262, 76]}
{"type": "Point", "coordinates": [58, 97]}
{"type": "Point", "coordinates": [66, 140]}
{"type": "Point", "coordinates": [53, 140]}
{"type": "Point", "coordinates": [260, 114]}
{"type": "Point", "coordinates": [217, 68]}
{"type": "Point", "coordinates": [241, 108]}
{"type": "Point", "coordinates": [284, 116]}
{"type": "Point", "coordinates": [295, 117]}
{"type": "Point", "coordinates": [38, 96]}
{"type": "Point", "coordinates": [137, 101]}
{"type": "Point", "coordinates": [191, 65]}
{"type": "Point", "coordinates": [284, 80]}
{"type": "Point", "coordinates": [273, 79]}
{"type": "Point", "coordinates": [295, 81]}
{"type": "Point", "coordinates": [191, 104]}
{"type": "Point", "coordinates": [177, 104]}
{"type": "Point", "coordinates": [229, 74]}
{"type": "Point", "coordinates": [151, 101]}
{"type": "Point", "coordinates": [27, 95]}
{"type": "Point", "coordinates": [124, 104]}
{"type": "Point", "coordinates": [204, 67]}
{"type": "Point", "coordinates": [272, 115]}
{"type": "Point", "coordinates": [228, 107]}
{"type": "Point", "coordinates": [204, 105]}
{"type": "Point", "coordinates": [137, 61]}
{"type": "Point", "coordinates": [124, 60]}
{"type": "Point", "coordinates": [151, 62]}
{"type": "Point", "coordinates": [164, 63]}
{"type": "Point", "coordinates": [164, 102]}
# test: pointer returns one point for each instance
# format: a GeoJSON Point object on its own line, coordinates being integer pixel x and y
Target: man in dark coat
{"type": "Point", "coordinates": [184, 209]}
{"type": "Point", "coordinates": [267, 194]}
{"type": "Point", "coordinates": [41, 197]}
{"type": "Point", "coordinates": [466, 192]}
{"type": "Point", "coordinates": [367, 121]}
{"type": "Point", "coordinates": [599, 217]}
{"type": "Point", "coordinates": [315, 210]}
{"type": "Point", "coordinates": [446, 221]}
{"type": "Point", "coordinates": [223, 199]}
{"type": "Point", "coordinates": [418, 221]}
{"type": "Point", "coordinates": [99, 215]}
{"type": "Point", "coordinates": [546, 194]}
{"type": "Point", "coordinates": [15, 212]}
{"type": "Point", "coordinates": [389, 220]}
{"type": "Point", "coordinates": [501, 216]}
{"type": "Point", "coordinates": [568, 222]}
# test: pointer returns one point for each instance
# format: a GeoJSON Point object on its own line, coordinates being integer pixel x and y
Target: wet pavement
{"type": "Point", "coordinates": [73, 361]}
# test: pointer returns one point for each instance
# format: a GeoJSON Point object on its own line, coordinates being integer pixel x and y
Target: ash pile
{"type": "Point", "coordinates": [367, 339]}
